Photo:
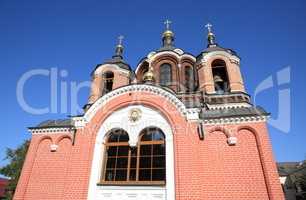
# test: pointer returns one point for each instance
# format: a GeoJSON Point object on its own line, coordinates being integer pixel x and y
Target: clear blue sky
{"type": "Point", "coordinates": [77, 35]}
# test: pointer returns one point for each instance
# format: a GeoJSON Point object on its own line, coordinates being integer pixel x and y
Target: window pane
{"type": "Point", "coordinates": [111, 163]}
{"type": "Point", "coordinates": [123, 137]}
{"type": "Point", "coordinates": [145, 150]}
{"type": "Point", "coordinates": [133, 151]}
{"type": "Point", "coordinates": [122, 162]}
{"type": "Point", "coordinates": [133, 162]}
{"type": "Point", "coordinates": [147, 137]}
{"type": "Point", "coordinates": [158, 149]}
{"type": "Point", "coordinates": [109, 175]}
{"type": "Point", "coordinates": [121, 175]}
{"type": "Point", "coordinates": [165, 74]}
{"type": "Point", "coordinates": [112, 151]}
{"type": "Point", "coordinates": [159, 162]}
{"type": "Point", "coordinates": [158, 175]}
{"type": "Point", "coordinates": [145, 162]}
{"type": "Point", "coordinates": [133, 175]}
{"type": "Point", "coordinates": [118, 136]}
{"type": "Point", "coordinates": [145, 175]}
{"type": "Point", "coordinates": [113, 137]}
{"type": "Point", "coordinates": [123, 150]}
{"type": "Point", "coordinates": [158, 135]}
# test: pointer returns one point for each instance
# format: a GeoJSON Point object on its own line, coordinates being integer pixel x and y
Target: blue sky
{"type": "Point", "coordinates": [77, 35]}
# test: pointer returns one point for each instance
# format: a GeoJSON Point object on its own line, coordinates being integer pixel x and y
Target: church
{"type": "Point", "coordinates": [178, 127]}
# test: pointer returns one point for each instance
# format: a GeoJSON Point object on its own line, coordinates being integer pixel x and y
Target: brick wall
{"type": "Point", "coordinates": [205, 169]}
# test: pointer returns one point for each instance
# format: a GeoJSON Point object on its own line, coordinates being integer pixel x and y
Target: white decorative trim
{"type": "Point", "coordinates": [193, 114]}
{"type": "Point", "coordinates": [235, 120]}
{"type": "Point", "coordinates": [152, 53]}
{"type": "Point", "coordinates": [179, 51]}
{"type": "Point", "coordinates": [50, 131]}
{"type": "Point", "coordinates": [100, 69]}
{"type": "Point", "coordinates": [175, 54]}
{"type": "Point", "coordinates": [79, 122]}
{"type": "Point", "coordinates": [178, 54]}
{"type": "Point", "coordinates": [118, 119]}
{"type": "Point", "coordinates": [231, 57]}
{"type": "Point", "coordinates": [228, 105]}
{"type": "Point", "coordinates": [53, 147]}
{"type": "Point", "coordinates": [232, 140]}
{"type": "Point", "coordinates": [135, 88]}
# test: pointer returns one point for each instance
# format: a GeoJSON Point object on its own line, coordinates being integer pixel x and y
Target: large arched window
{"type": "Point", "coordinates": [165, 74]}
{"type": "Point", "coordinates": [144, 164]}
{"type": "Point", "coordinates": [108, 80]}
{"type": "Point", "coordinates": [220, 76]}
{"type": "Point", "coordinates": [189, 79]}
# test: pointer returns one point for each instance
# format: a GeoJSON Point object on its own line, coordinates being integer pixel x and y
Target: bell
{"type": "Point", "coordinates": [218, 79]}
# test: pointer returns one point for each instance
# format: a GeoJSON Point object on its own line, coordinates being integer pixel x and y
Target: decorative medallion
{"type": "Point", "coordinates": [134, 114]}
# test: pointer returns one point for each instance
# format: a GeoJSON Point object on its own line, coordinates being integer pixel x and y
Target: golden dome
{"type": "Point", "coordinates": [168, 33]}
{"type": "Point", "coordinates": [149, 75]}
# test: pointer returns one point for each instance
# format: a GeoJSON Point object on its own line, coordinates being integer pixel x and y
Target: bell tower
{"type": "Point", "coordinates": [219, 73]}
{"type": "Point", "coordinates": [111, 74]}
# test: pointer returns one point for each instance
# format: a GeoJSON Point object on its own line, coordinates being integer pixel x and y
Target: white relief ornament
{"type": "Point", "coordinates": [134, 115]}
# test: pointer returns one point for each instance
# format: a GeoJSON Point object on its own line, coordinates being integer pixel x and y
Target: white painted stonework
{"type": "Point", "coordinates": [119, 119]}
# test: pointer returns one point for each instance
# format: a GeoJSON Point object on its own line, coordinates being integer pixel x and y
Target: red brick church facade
{"type": "Point", "coordinates": [178, 127]}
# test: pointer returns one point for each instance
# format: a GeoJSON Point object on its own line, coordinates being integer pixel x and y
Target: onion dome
{"type": "Point", "coordinates": [168, 35]}
{"type": "Point", "coordinates": [148, 77]}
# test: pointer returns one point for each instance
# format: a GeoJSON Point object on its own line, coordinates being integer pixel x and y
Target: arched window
{"type": "Point", "coordinates": [220, 76]}
{"type": "Point", "coordinates": [152, 161]}
{"type": "Point", "coordinates": [189, 79]}
{"type": "Point", "coordinates": [165, 74]}
{"type": "Point", "coordinates": [108, 79]}
{"type": "Point", "coordinates": [144, 164]}
{"type": "Point", "coordinates": [117, 156]}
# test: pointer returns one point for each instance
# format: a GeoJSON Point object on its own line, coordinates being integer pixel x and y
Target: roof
{"type": "Point", "coordinates": [288, 168]}
{"type": "Point", "coordinates": [119, 61]}
{"type": "Point", "coordinates": [233, 112]}
{"type": "Point", "coordinates": [212, 48]}
{"type": "Point", "coordinates": [54, 123]}
{"type": "Point", "coordinates": [3, 183]}
{"type": "Point", "coordinates": [166, 48]}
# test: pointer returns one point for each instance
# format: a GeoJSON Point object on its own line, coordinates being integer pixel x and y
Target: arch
{"type": "Point", "coordinates": [142, 132]}
{"type": "Point", "coordinates": [108, 81]}
{"type": "Point", "coordinates": [171, 77]}
{"type": "Point", "coordinates": [45, 137]}
{"type": "Point", "coordinates": [119, 113]}
{"type": "Point", "coordinates": [142, 69]}
{"type": "Point", "coordinates": [117, 135]}
{"type": "Point", "coordinates": [60, 138]}
{"type": "Point", "coordinates": [173, 57]}
{"type": "Point", "coordinates": [260, 154]}
{"type": "Point", "coordinates": [155, 57]}
{"type": "Point", "coordinates": [220, 76]}
{"type": "Point", "coordinates": [224, 130]}
{"type": "Point", "coordinates": [163, 94]}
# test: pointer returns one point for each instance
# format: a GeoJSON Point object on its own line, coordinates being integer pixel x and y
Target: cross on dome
{"type": "Point", "coordinates": [208, 26]}
{"type": "Point", "coordinates": [167, 23]}
{"type": "Point", "coordinates": [120, 39]}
